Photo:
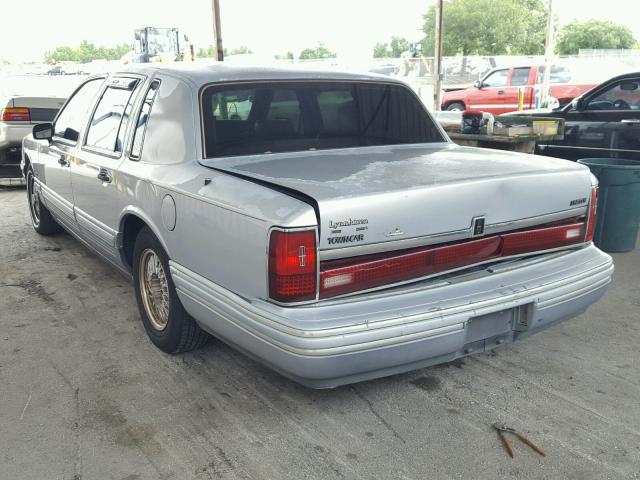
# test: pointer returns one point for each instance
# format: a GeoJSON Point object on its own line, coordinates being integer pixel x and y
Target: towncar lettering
{"type": "Point", "coordinates": [346, 239]}
{"type": "Point", "coordinates": [248, 227]}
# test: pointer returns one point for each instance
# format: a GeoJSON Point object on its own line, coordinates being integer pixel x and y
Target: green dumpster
{"type": "Point", "coordinates": [618, 211]}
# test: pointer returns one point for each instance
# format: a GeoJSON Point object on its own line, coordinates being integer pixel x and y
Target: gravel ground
{"type": "Point", "coordinates": [85, 395]}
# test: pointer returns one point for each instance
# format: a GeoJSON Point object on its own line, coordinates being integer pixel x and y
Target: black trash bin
{"type": "Point", "coordinates": [618, 211]}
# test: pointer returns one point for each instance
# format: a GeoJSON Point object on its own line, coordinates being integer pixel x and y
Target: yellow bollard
{"type": "Point", "coordinates": [520, 98]}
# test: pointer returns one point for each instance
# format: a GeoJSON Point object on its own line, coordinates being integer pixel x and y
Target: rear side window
{"type": "Point", "coordinates": [520, 76]}
{"type": "Point", "coordinates": [109, 122]}
{"type": "Point", "coordinates": [73, 114]}
{"type": "Point", "coordinates": [143, 120]}
{"type": "Point", "coordinates": [288, 116]}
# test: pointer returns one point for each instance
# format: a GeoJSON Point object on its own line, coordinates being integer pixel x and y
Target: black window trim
{"type": "Point", "coordinates": [132, 135]}
{"type": "Point", "coordinates": [66, 141]}
{"type": "Point", "coordinates": [102, 151]}
{"type": "Point", "coordinates": [205, 87]}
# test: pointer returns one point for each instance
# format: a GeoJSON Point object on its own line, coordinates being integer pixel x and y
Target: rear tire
{"type": "Point", "coordinates": [41, 218]}
{"type": "Point", "coordinates": [166, 322]}
{"type": "Point", "coordinates": [455, 107]}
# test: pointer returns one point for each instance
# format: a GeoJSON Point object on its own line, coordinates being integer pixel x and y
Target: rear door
{"type": "Point", "coordinates": [57, 155]}
{"type": "Point", "coordinates": [608, 126]}
{"type": "Point", "coordinates": [97, 187]}
{"type": "Point", "coordinates": [489, 97]}
{"type": "Point", "coordinates": [519, 79]}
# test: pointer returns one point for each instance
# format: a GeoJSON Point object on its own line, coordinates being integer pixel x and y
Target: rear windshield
{"type": "Point", "coordinates": [283, 116]}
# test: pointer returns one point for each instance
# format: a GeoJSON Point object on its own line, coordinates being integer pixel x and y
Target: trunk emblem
{"type": "Point", "coordinates": [395, 233]}
{"type": "Point", "coordinates": [477, 226]}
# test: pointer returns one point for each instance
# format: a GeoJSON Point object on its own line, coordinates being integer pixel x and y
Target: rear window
{"type": "Point", "coordinates": [287, 116]}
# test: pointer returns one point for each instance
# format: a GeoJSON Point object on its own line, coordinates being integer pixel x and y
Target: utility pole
{"type": "Point", "coordinates": [548, 55]}
{"type": "Point", "coordinates": [217, 30]}
{"type": "Point", "coordinates": [437, 58]}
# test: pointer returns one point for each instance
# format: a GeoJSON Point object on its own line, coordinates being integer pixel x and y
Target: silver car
{"type": "Point", "coordinates": [322, 223]}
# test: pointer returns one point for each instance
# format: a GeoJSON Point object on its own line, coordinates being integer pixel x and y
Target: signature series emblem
{"type": "Point", "coordinates": [346, 239]}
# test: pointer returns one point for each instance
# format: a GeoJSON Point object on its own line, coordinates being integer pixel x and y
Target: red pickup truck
{"type": "Point", "coordinates": [497, 92]}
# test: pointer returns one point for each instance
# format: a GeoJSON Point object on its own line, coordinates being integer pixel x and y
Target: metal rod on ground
{"type": "Point", "coordinates": [217, 30]}
{"type": "Point", "coordinates": [437, 59]}
{"type": "Point", "coordinates": [548, 56]}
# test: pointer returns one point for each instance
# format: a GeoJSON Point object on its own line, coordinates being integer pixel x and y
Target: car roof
{"type": "Point", "coordinates": [205, 73]}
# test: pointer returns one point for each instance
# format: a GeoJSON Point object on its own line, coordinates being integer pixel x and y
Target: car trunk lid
{"type": "Point", "coordinates": [387, 197]}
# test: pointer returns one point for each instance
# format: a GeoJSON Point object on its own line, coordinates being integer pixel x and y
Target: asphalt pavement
{"type": "Point", "coordinates": [85, 395]}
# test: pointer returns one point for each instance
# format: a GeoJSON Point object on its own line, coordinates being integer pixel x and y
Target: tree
{"type": "Point", "coordinates": [487, 27]}
{"type": "Point", "coordinates": [284, 56]}
{"type": "Point", "coordinates": [398, 45]}
{"type": "Point", "coordinates": [594, 34]}
{"type": "Point", "coordinates": [392, 49]}
{"type": "Point", "coordinates": [316, 53]}
{"type": "Point", "coordinates": [381, 50]}
{"type": "Point", "coordinates": [87, 52]}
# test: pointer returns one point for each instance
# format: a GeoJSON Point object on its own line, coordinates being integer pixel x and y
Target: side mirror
{"type": "Point", "coordinates": [477, 84]}
{"type": "Point", "coordinates": [577, 104]}
{"type": "Point", "coordinates": [43, 131]}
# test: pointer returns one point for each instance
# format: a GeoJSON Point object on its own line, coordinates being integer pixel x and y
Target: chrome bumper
{"type": "Point", "coordinates": [357, 338]}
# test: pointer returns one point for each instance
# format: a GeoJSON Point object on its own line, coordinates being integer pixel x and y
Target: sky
{"type": "Point", "coordinates": [350, 27]}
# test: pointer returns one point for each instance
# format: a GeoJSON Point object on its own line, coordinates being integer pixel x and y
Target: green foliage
{"type": "Point", "coordinates": [488, 27]}
{"type": "Point", "coordinates": [381, 50]}
{"type": "Point", "coordinates": [593, 34]}
{"type": "Point", "coordinates": [319, 52]}
{"type": "Point", "coordinates": [210, 51]}
{"type": "Point", "coordinates": [87, 52]}
{"type": "Point", "coordinates": [285, 56]}
{"type": "Point", "coordinates": [392, 49]}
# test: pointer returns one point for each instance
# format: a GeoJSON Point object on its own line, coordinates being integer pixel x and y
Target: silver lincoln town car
{"type": "Point", "coordinates": [321, 222]}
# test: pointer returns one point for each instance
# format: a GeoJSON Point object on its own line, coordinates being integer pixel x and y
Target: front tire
{"type": "Point", "coordinates": [167, 324]}
{"type": "Point", "coordinates": [41, 218]}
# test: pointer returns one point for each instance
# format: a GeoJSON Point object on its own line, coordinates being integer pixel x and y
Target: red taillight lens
{"type": "Point", "coordinates": [339, 277]}
{"type": "Point", "coordinates": [542, 239]}
{"type": "Point", "coordinates": [337, 280]}
{"type": "Point", "coordinates": [591, 219]}
{"type": "Point", "coordinates": [292, 266]}
{"type": "Point", "coordinates": [15, 115]}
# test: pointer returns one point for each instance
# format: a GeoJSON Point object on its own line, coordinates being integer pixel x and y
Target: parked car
{"type": "Point", "coordinates": [321, 222]}
{"type": "Point", "coordinates": [57, 70]}
{"type": "Point", "coordinates": [604, 122]}
{"type": "Point", "coordinates": [497, 91]}
{"type": "Point", "coordinates": [18, 115]}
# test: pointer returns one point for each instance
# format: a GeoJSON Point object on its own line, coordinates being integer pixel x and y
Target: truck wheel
{"type": "Point", "coordinates": [168, 325]}
{"type": "Point", "coordinates": [41, 218]}
{"type": "Point", "coordinates": [455, 107]}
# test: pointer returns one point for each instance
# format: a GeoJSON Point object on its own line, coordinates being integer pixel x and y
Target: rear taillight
{"type": "Point", "coordinates": [339, 277]}
{"type": "Point", "coordinates": [12, 114]}
{"type": "Point", "coordinates": [292, 265]}
{"type": "Point", "coordinates": [338, 280]}
{"type": "Point", "coordinates": [542, 239]}
{"type": "Point", "coordinates": [591, 218]}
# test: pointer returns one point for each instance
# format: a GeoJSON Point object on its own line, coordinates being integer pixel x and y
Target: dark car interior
{"type": "Point", "coordinates": [278, 116]}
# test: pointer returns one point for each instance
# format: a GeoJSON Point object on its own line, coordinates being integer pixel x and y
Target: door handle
{"type": "Point", "coordinates": [631, 121]}
{"type": "Point", "coordinates": [62, 161]}
{"type": "Point", "coordinates": [103, 175]}
{"type": "Point", "coordinates": [500, 92]}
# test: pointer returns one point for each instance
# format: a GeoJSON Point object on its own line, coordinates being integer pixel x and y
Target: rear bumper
{"type": "Point", "coordinates": [358, 338]}
{"type": "Point", "coordinates": [11, 135]}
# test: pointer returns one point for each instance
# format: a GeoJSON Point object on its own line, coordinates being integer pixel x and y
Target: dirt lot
{"type": "Point", "coordinates": [85, 395]}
